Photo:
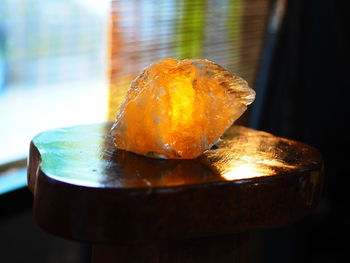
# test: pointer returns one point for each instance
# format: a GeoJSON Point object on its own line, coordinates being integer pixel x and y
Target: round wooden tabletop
{"type": "Point", "coordinates": [86, 189]}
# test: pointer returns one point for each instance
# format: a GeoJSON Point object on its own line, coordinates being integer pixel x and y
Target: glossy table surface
{"type": "Point", "coordinates": [86, 189]}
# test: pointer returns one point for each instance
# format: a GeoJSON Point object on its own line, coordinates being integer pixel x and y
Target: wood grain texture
{"type": "Point", "coordinates": [86, 189]}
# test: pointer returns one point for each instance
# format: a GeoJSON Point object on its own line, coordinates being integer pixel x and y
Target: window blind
{"type": "Point", "coordinates": [228, 32]}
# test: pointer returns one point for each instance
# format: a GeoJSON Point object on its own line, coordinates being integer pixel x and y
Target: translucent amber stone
{"type": "Point", "coordinates": [180, 108]}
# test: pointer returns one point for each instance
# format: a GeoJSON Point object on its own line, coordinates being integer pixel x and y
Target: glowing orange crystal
{"type": "Point", "coordinates": [180, 108]}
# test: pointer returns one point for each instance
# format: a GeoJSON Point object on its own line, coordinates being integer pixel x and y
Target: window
{"type": "Point", "coordinates": [52, 68]}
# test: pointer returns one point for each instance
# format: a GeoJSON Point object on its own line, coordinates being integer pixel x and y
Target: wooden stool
{"type": "Point", "coordinates": [136, 209]}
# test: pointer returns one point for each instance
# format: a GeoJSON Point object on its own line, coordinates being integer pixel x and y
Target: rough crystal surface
{"type": "Point", "coordinates": [180, 108]}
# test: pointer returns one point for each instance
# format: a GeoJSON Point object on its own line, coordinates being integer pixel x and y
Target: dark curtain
{"type": "Point", "coordinates": [306, 98]}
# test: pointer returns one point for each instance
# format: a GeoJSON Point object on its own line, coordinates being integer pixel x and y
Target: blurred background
{"type": "Point", "coordinates": [69, 62]}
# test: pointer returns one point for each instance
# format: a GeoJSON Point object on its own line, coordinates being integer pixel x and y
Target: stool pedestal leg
{"type": "Point", "coordinates": [233, 248]}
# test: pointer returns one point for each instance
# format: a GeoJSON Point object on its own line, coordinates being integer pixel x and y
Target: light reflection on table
{"type": "Point", "coordinates": [89, 157]}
